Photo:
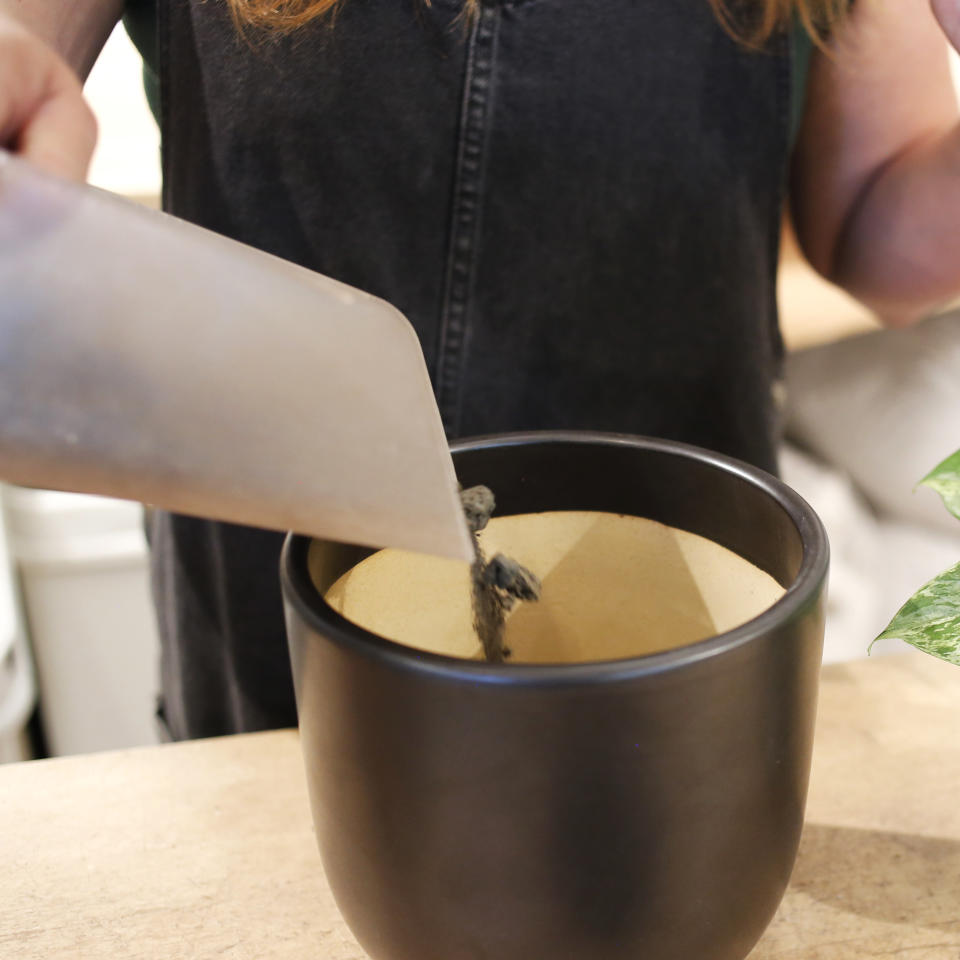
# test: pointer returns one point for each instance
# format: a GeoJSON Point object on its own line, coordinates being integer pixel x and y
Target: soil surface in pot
{"type": "Point", "coordinates": [613, 587]}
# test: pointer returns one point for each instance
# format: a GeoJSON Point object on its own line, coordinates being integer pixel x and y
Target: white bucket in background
{"type": "Point", "coordinates": [17, 688]}
{"type": "Point", "coordinates": [18, 697]}
{"type": "Point", "coordinates": [84, 578]}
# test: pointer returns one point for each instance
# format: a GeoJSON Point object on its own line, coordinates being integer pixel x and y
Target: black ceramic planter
{"type": "Point", "coordinates": [643, 808]}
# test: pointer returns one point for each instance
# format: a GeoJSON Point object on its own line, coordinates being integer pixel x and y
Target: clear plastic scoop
{"type": "Point", "coordinates": [145, 358]}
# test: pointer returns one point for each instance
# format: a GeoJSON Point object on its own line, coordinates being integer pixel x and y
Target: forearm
{"type": "Point", "coordinates": [76, 29]}
{"type": "Point", "coordinates": [875, 184]}
{"type": "Point", "coordinates": [899, 247]}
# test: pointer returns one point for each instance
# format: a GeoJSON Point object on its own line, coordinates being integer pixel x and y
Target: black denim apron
{"type": "Point", "coordinates": [576, 202]}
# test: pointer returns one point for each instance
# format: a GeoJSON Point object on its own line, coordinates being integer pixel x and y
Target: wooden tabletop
{"type": "Point", "coordinates": [205, 849]}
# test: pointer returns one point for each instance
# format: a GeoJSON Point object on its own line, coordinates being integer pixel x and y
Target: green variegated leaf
{"type": "Point", "coordinates": [930, 619]}
{"type": "Point", "coordinates": [945, 479]}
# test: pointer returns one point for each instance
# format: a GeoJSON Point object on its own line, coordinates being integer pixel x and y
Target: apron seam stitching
{"type": "Point", "coordinates": [465, 215]}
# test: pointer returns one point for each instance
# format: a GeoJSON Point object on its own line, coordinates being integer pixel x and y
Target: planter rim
{"type": "Point", "coordinates": [301, 593]}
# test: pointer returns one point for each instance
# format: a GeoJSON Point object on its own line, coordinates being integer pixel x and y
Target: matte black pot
{"type": "Point", "coordinates": [643, 808]}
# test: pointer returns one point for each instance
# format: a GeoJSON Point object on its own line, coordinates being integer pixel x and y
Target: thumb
{"type": "Point", "coordinates": [59, 136]}
{"type": "Point", "coordinates": [947, 13]}
{"type": "Point", "coordinates": [43, 116]}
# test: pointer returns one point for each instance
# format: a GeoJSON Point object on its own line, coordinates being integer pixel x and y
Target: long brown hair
{"type": "Point", "coordinates": [752, 21]}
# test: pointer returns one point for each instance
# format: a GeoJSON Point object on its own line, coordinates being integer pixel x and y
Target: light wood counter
{"type": "Point", "coordinates": [205, 849]}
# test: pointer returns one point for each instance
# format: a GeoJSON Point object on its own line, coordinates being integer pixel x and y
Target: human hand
{"type": "Point", "coordinates": [43, 116]}
{"type": "Point", "coordinates": [947, 13]}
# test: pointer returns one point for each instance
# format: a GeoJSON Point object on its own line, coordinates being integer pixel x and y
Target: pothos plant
{"type": "Point", "coordinates": [930, 619]}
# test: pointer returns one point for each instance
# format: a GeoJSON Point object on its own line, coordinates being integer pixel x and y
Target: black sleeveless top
{"type": "Point", "coordinates": [577, 204]}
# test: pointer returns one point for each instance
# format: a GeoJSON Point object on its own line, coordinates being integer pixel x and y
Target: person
{"type": "Point", "coordinates": [577, 204]}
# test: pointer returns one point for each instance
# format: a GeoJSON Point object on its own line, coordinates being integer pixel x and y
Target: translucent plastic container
{"type": "Point", "coordinates": [82, 563]}
{"type": "Point", "coordinates": [18, 692]}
